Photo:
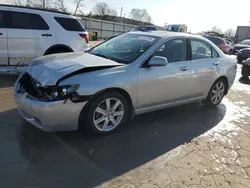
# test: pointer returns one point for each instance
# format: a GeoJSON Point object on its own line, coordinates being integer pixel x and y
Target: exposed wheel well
{"type": "Point", "coordinates": [58, 47]}
{"type": "Point", "coordinates": [225, 80]}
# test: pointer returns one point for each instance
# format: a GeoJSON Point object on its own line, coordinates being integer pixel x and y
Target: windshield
{"type": "Point", "coordinates": [124, 48]}
{"type": "Point", "coordinates": [245, 42]}
{"type": "Point", "coordinates": [143, 29]}
{"type": "Point", "coordinates": [174, 28]}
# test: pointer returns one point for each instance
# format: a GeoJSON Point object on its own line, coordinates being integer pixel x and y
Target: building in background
{"type": "Point", "coordinates": [242, 33]}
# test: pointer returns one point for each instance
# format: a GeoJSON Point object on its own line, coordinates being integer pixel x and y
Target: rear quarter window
{"type": "Point", "coordinates": [70, 24]}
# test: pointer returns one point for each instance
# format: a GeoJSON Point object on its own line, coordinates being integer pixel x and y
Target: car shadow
{"type": "Point", "coordinates": [7, 80]}
{"type": "Point", "coordinates": [244, 81]}
{"type": "Point", "coordinates": [91, 160]}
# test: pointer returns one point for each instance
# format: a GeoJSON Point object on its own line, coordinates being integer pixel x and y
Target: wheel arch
{"type": "Point", "coordinates": [225, 80]}
{"type": "Point", "coordinates": [58, 46]}
{"type": "Point", "coordinates": [122, 92]}
{"type": "Point", "coordinates": [112, 89]}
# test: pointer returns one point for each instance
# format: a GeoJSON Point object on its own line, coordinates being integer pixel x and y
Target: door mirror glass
{"type": "Point", "coordinates": [157, 61]}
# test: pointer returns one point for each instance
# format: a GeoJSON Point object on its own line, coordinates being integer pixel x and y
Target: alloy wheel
{"type": "Point", "coordinates": [108, 114]}
{"type": "Point", "coordinates": [217, 92]}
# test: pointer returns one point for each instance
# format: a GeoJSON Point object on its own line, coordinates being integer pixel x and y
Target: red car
{"type": "Point", "coordinates": [220, 42]}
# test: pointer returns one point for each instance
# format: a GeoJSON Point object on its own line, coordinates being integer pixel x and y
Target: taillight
{"type": "Point", "coordinates": [85, 36]}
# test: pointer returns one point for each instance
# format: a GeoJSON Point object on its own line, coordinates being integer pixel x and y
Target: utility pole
{"type": "Point", "coordinates": [121, 13]}
{"type": "Point", "coordinates": [43, 3]}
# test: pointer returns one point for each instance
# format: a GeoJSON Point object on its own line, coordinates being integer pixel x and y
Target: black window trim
{"type": "Point", "coordinates": [145, 63]}
{"type": "Point", "coordinates": [9, 22]}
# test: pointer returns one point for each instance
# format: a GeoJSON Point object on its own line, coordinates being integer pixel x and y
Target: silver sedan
{"type": "Point", "coordinates": [127, 75]}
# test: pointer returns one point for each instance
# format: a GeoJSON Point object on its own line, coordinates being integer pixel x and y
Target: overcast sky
{"type": "Point", "coordinates": [199, 15]}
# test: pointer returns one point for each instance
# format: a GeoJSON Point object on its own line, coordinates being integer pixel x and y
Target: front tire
{"type": "Point", "coordinates": [106, 113]}
{"type": "Point", "coordinates": [216, 93]}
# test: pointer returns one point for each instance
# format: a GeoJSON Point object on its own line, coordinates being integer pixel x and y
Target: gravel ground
{"type": "Point", "coordinates": [187, 146]}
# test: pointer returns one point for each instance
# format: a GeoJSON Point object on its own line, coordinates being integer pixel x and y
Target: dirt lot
{"type": "Point", "coordinates": [187, 146]}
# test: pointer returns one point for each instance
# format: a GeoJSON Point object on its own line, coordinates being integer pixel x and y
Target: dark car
{"type": "Point", "coordinates": [245, 70]}
{"type": "Point", "coordinates": [243, 44]}
{"type": "Point", "coordinates": [243, 58]}
{"type": "Point", "coordinates": [144, 28]}
{"type": "Point", "coordinates": [243, 54]}
{"type": "Point", "coordinates": [220, 42]}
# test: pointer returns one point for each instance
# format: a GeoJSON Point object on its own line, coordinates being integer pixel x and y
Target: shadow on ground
{"type": "Point", "coordinates": [7, 80]}
{"type": "Point", "coordinates": [74, 158]}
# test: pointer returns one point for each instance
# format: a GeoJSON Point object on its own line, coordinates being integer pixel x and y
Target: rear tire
{"type": "Point", "coordinates": [105, 113]}
{"type": "Point", "coordinates": [57, 51]}
{"type": "Point", "coordinates": [216, 93]}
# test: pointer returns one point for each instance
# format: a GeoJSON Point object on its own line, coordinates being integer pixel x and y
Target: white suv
{"type": "Point", "coordinates": [27, 33]}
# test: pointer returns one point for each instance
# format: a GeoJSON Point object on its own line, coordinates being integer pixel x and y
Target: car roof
{"type": "Point", "coordinates": [34, 8]}
{"type": "Point", "coordinates": [163, 34]}
{"type": "Point", "coordinates": [145, 26]}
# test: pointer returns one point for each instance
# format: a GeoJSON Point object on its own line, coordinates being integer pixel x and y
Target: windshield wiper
{"type": "Point", "coordinates": [112, 58]}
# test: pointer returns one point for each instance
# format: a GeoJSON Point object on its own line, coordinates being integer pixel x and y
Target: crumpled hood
{"type": "Point", "coordinates": [47, 70]}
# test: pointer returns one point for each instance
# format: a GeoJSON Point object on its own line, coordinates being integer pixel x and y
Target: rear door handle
{"type": "Point", "coordinates": [1, 33]}
{"type": "Point", "coordinates": [184, 68]}
{"type": "Point", "coordinates": [47, 35]}
{"type": "Point", "coordinates": [216, 63]}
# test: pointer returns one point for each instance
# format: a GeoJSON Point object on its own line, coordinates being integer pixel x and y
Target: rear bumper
{"type": "Point", "coordinates": [49, 116]}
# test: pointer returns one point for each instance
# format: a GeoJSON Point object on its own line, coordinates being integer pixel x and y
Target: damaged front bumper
{"type": "Point", "coordinates": [62, 115]}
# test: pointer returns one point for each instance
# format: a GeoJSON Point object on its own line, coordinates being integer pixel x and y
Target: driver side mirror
{"type": "Point", "coordinates": [157, 61]}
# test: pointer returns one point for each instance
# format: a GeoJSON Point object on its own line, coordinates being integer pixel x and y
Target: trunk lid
{"type": "Point", "coordinates": [47, 70]}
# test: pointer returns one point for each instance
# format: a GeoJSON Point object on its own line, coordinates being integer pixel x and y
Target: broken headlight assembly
{"type": "Point", "coordinates": [56, 93]}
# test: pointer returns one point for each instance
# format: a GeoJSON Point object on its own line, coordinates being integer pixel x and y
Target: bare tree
{"type": "Point", "coordinates": [216, 30]}
{"type": "Point", "coordinates": [78, 4]}
{"type": "Point", "coordinates": [140, 15]}
{"type": "Point", "coordinates": [103, 9]}
{"type": "Point", "coordinates": [149, 19]}
{"type": "Point", "coordinates": [60, 4]}
{"type": "Point", "coordinates": [22, 2]}
{"type": "Point", "coordinates": [230, 33]}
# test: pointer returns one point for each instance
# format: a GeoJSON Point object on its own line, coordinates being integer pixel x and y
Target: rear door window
{"type": "Point", "coordinates": [21, 20]}
{"type": "Point", "coordinates": [200, 49]}
{"type": "Point", "coordinates": [70, 24]}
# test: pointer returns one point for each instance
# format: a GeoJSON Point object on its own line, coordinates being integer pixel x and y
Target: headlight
{"type": "Point", "coordinates": [62, 92]}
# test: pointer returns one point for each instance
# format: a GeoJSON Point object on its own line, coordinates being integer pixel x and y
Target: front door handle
{"type": "Point", "coordinates": [216, 63]}
{"type": "Point", "coordinates": [184, 68]}
{"type": "Point", "coordinates": [1, 33]}
{"type": "Point", "coordinates": [47, 35]}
